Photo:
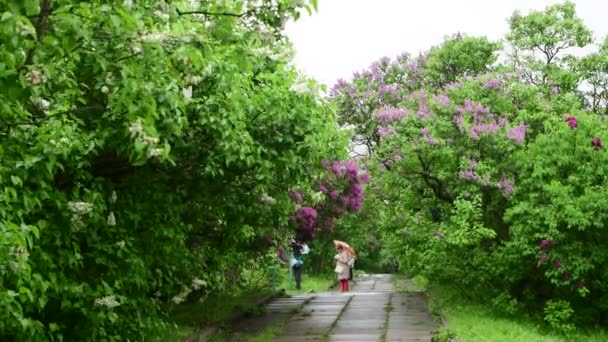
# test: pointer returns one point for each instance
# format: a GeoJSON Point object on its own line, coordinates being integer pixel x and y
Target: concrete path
{"type": "Point", "coordinates": [372, 311]}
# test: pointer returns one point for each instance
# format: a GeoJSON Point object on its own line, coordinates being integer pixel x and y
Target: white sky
{"type": "Point", "coordinates": [348, 35]}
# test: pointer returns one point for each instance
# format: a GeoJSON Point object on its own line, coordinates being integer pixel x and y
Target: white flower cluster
{"type": "Point", "coordinates": [137, 131]}
{"type": "Point", "coordinates": [154, 37]}
{"type": "Point", "coordinates": [111, 221]}
{"type": "Point", "coordinates": [302, 86]}
{"type": "Point", "coordinates": [108, 302]}
{"type": "Point", "coordinates": [136, 128]}
{"type": "Point", "coordinates": [36, 76]}
{"type": "Point", "coordinates": [187, 92]}
{"type": "Point", "coordinates": [284, 52]}
{"type": "Point", "coordinates": [80, 208]}
{"type": "Point", "coordinates": [21, 252]}
{"type": "Point", "coordinates": [63, 141]}
{"type": "Point", "coordinates": [266, 199]}
{"type": "Point", "coordinates": [42, 104]}
{"type": "Point", "coordinates": [192, 80]}
{"type": "Point", "coordinates": [76, 289]}
{"type": "Point", "coordinates": [155, 152]}
{"type": "Point", "coordinates": [77, 222]}
{"type": "Point", "coordinates": [197, 284]}
{"type": "Point", "coordinates": [180, 298]}
{"type": "Point", "coordinates": [162, 15]}
{"type": "Point", "coordinates": [24, 29]}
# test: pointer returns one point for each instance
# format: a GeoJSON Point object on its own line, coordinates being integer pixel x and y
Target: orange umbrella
{"type": "Point", "coordinates": [345, 247]}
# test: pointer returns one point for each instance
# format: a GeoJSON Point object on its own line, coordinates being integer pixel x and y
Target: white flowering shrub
{"type": "Point", "coordinates": [147, 148]}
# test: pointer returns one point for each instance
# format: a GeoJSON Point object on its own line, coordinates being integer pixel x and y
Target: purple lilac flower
{"type": "Point", "coordinates": [473, 164]}
{"type": "Point", "coordinates": [305, 218]}
{"type": "Point", "coordinates": [390, 114]}
{"type": "Point", "coordinates": [468, 174]}
{"type": "Point", "coordinates": [580, 284]}
{"type": "Point", "coordinates": [571, 120]}
{"type": "Point", "coordinates": [517, 133]}
{"type": "Point", "coordinates": [543, 244]}
{"type": "Point", "coordinates": [453, 85]}
{"type": "Point", "coordinates": [557, 263]}
{"type": "Point", "coordinates": [566, 275]}
{"type": "Point", "coordinates": [597, 143]}
{"type": "Point", "coordinates": [425, 133]}
{"type": "Point", "coordinates": [543, 257]}
{"type": "Point", "coordinates": [459, 119]}
{"type": "Point", "coordinates": [338, 87]}
{"type": "Point", "coordinates": [555, 90]}
{"type": "Point", "coordinates": [502, 121]}
{"type": "Point", "coordinates": [388, 89]}
{"type": "Point", "coordinates": [385, 131]}
{"type": "Point", "coordinates": [352, 169]}
{"type": "Point", "coordinates": [329, 223]}
{"type": "Point", "coordinates": [493, 83]}
{"type": "Point", "coordinates": [364, 178]}
{"type": "Point", "coordinates": [296, 196]}
{"type": "Point", "coordinates": [423, 110]}
{"type": "Point", "coordinates": [336, 168]}
{"type": "Point", "coordinates": [442, 99]}
{"type": "Point", "coordinates": [506, 185]}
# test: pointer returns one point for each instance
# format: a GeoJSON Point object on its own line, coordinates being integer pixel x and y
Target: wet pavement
{"type": "Point", "coordinates": [372, 311]}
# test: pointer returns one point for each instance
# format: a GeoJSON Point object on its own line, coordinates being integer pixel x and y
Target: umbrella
{"type": "Point", "coordinates": [345, 247]}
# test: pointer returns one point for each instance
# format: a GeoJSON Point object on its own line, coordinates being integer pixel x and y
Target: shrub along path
{"type": "Point", "coordinates": [373, 311]}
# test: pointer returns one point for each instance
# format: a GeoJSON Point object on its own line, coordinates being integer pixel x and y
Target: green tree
{"type": "Point", "coordinates": [593, 70]}
{"type": "Point", "coordinates": [459, 56]}
{"type": "Point", "coordinates": [147, 149]}
{"type": "Point", "coordinates": [540, 37]}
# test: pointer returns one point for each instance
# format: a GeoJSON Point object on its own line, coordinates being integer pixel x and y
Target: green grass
{"type": "Point", "coordinates": [310, 283]}
{"type": "Point", "coordinates": [268, 333]}
{"type": "Point", "coordinates": [214, 311]}
{"type": "Point", "coordinates": [473, 322]}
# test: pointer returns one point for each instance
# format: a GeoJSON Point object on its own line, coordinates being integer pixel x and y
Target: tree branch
{"type": "Point", "coordinates": [225, 14]}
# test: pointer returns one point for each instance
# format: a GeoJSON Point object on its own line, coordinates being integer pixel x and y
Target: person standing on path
{"type": "Point", "coordinates": [344, 261]}
{"type": "Point", "coordinates": [296, 261]}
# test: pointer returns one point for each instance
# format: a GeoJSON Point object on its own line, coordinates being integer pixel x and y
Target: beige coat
{"type": "Point", "coordinates": [343, 264]}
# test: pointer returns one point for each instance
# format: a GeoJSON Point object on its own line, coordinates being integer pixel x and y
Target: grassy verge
{"type": "Point", "coordinates": [310, 283]}
{"type": "Point", "coordinates": [214, 311]}
{"type": "Point", "coordinates": [470, 321]}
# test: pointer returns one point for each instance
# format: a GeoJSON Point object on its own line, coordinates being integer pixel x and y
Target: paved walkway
{"type": "Point", "coordinates": [372, 311]}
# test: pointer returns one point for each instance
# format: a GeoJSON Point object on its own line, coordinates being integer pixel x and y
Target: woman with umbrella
{"type": "Point", "coordinates": [344, 261]}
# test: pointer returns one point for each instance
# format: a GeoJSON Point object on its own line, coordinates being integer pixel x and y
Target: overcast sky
{"type": "Point", "coordinates": [348, 35]}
